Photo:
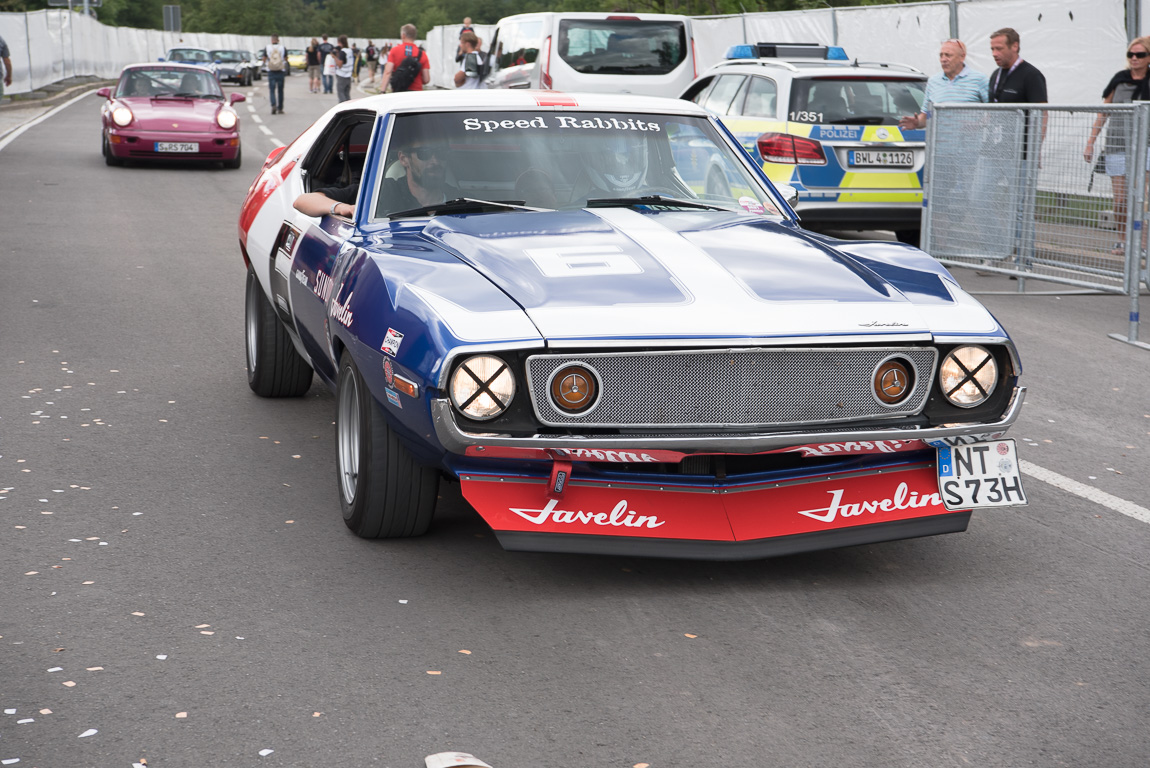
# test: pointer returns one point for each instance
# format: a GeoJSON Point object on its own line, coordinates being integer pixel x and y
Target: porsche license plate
{"type": "Point", "coordinates": [880, 158]}
{"type": "Point", "coordinates": [980, 475]}
{"type": "Point", "coordinates": [177, 146]}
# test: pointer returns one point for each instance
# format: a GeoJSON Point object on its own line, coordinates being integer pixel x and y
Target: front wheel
{"type": "Point", "coordinates": [384, 494]}
{"type": "Point", "coordinates": [275, 369]}
{"type": "Point", "coordinates": [109, 158]}
{"type": "Point", "coordinates": [239, 158]}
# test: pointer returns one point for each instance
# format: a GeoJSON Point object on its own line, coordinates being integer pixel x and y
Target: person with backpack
{"type": "Point", "coordinates": [407, 68]}
{"type": "Point", "coordinates": [276, 57]}
{"type": "Point", "coordinates": [472, 66]}
{"type": "Point", "coordinates": [371, 53]}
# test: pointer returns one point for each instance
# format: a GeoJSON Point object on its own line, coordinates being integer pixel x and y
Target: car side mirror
{"type": "Point", "coordinates": [105, 92]}
{"type": "Point", "coordinates": [789, 193]}
{"type": "Point", "coordinates": [238, 97]}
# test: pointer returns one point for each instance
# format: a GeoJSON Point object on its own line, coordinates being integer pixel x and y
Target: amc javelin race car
{"type": "Point", "coordinates": [539, 295]}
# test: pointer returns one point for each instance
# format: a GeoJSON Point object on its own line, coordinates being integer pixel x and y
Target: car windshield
{"type": "Point", "coordinates": [622, 47]}
{"type": "Point", "coordinates": [295, 52]}
{"type": "Point", "coordinates": [160, 81]}
{"type": "Point", "coordinates": [556, 160]}
{"type": "Point", "coordinates": [228, 56]}
{"type": "Point", "coordinates": [855, 100]}
{"type": "Point", "coordinates": [189, 54]}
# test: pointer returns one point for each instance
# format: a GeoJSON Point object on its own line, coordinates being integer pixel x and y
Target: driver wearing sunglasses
{"type": "Point", "coordinates": [424, 182]}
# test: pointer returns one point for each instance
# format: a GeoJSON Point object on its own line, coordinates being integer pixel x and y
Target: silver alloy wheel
{"type": "Point", "coordinates": [347, 435]}
{"type": "Point", "coordinates": [251, 321]}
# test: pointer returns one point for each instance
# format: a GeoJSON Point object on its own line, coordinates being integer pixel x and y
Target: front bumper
{"type": "Point", "coordinates": [879, 501]}
{"type": "Point", "coordinates": [141, 144]}
{"type": "Point", "coordinates": [455, 440]}
{"type": "Point", "coordinates": [868, 215]}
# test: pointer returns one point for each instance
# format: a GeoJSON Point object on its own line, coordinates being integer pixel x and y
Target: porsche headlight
{"type": "Point", "coordinates": [968, 376]}
{"type": "Point", "coordinates": [121, 116]}
{"type": "Point", "coordinates": [226, 119]}
{"type": "Point", "coordinates": [482, 387]}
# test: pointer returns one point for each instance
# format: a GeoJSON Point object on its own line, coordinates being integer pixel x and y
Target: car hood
{"type": "Point", "coordinates": [174, 114]}
{"type": "Point", "coordinates": [622, 273]}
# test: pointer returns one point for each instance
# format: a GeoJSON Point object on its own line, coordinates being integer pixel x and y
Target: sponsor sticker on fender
{"type": "Point", "coordinates": [391, 342]}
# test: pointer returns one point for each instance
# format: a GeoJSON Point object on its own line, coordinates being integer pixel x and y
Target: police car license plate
{"type": "Point", "coordinates": [880, 158]}
{"type": "Point", "coordinates": [177, 146]}
{"type": "Point", "coordinates": [980, 475]}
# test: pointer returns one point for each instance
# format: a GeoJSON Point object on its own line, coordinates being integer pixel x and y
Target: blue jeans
{"type": "Point", "coordinates": [328, 83]}
{"type": "Point", "coordinates": [276, 89]}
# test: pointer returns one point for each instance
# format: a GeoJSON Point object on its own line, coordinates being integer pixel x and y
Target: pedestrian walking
{"type": "Point", "coordinates": [345, 67]}
{"type": "Point", "coordinates": [371, 54]}
{"type": "Point", "coordinates": [464, 30]}
{"type": "Point", "coordinates": [1127, 86]}
{"type": "Point", "coordinates": [469, 76]}
{"type": "Point", "coordinates": [1016, 81]}
{"type": "Point", "coordinates": [6, 62]}
{"type": "Point", "coordinates": [314, 66]}
{"type": "Point", "coordinates": [407, 67]}
{"type": "Point", "coordinates": [955, 83]}
{"type": "Point", "coordinates": [325, 49]}
{"type": "Point", "coordinates": [276, 57]}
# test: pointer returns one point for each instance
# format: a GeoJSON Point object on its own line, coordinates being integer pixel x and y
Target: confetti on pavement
{"type": "Point", "coordinates": [87, 733]}
{"type": "Point", "coordinates": [266, 752]}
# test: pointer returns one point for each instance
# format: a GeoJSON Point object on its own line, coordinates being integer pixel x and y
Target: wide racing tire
{"type": "Point", "coordinates": [384, 493]}
{"type": "Point", "coordinates": [275, 369]}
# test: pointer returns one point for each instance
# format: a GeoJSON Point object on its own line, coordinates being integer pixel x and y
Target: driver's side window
{"type": "Point", "coordinates": [338, 155]}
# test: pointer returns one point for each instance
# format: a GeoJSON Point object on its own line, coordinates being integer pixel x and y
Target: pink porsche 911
{"type": "Point", "coordinates": [170, 111]}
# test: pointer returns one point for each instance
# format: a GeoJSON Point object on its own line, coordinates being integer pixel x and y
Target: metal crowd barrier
{"type": "Point", "coordinates": [1007, 190]}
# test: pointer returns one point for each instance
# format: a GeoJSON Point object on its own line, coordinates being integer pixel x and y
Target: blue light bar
{"type": "Point", "coordinates": [741, 52]}
{"type": "Point", "coordinates": [787, 51]}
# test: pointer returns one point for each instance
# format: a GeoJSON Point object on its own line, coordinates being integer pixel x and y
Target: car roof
{"type": "Point", "coordinates": [169, 65]}
{"type": "Point", "coordinates": [816, 68]}
{"type": "Point", "coordinates": [595, 15]}
{"type": "Point", "coordinates": [516, 99]}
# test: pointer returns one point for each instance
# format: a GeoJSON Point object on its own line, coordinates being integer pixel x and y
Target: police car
{"type": "Point", "coordinates": [827, 126]}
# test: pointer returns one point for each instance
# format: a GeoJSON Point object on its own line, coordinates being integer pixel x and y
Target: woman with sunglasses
{"type": "Point", "coordinates": [1128, 85]}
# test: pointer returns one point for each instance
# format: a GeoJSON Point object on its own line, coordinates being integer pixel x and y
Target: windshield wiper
{"type": "Point", "coordinates": [670, 202]}
{"type": "Point", "coordinates": [466, 205]}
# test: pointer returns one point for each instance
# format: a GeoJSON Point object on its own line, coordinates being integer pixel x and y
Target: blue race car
{"type": "Point", "coordinates": [539, 295]}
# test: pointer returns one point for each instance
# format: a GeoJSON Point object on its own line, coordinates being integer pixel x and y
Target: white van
{"type": "Point", "coordinates": [647, 53]}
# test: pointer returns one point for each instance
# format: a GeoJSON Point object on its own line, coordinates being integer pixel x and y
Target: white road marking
{"type": "Point", "coordinates": [1128, 508]}
{"type": "Point", "coordinates": [251, 108]}
{"type": "Point", "coordinates": [16, 132]}
{"type": "Point", "coordinates": [266, 130]}
{"type": "Point", "coordinates": [256, 118]}
{"type": "Point", "coordinates": [277, 142]}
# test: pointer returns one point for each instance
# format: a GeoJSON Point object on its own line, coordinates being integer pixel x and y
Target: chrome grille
{"type": "Point", "coordinates": [733, 387]}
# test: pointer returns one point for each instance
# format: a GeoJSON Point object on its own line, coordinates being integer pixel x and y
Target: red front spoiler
{"type": "Point", "coordinates": [722, 522]}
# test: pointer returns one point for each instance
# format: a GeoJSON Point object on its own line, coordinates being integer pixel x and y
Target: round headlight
{"type": "Point", "coordinates": [893, 381]}
{"type": "Point", "coordinates": [226, 118]}
{"type": "Point", "coordinates": [968, 376]}
{"type": "Point", "coordinates": [482, 387]}
{"type": "Point", "coordinates": [574, 388]}
{"type": "Point", "coordinates": [121, 116]}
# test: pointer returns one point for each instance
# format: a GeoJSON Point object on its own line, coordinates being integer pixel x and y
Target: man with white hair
{"type": "Point", "coordinates": [956, 83]}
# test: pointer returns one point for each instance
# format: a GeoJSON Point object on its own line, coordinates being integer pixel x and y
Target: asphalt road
{"type": "Point", "coordinates": [179, 586]}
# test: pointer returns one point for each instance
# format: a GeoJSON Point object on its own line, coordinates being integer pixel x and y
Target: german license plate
{"type": "Point", "coordinates": [880, 158]}
{"type": "Point", "coordinates": [177, 146]}
{"type": "Point", "coordinates": [980, 475]}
